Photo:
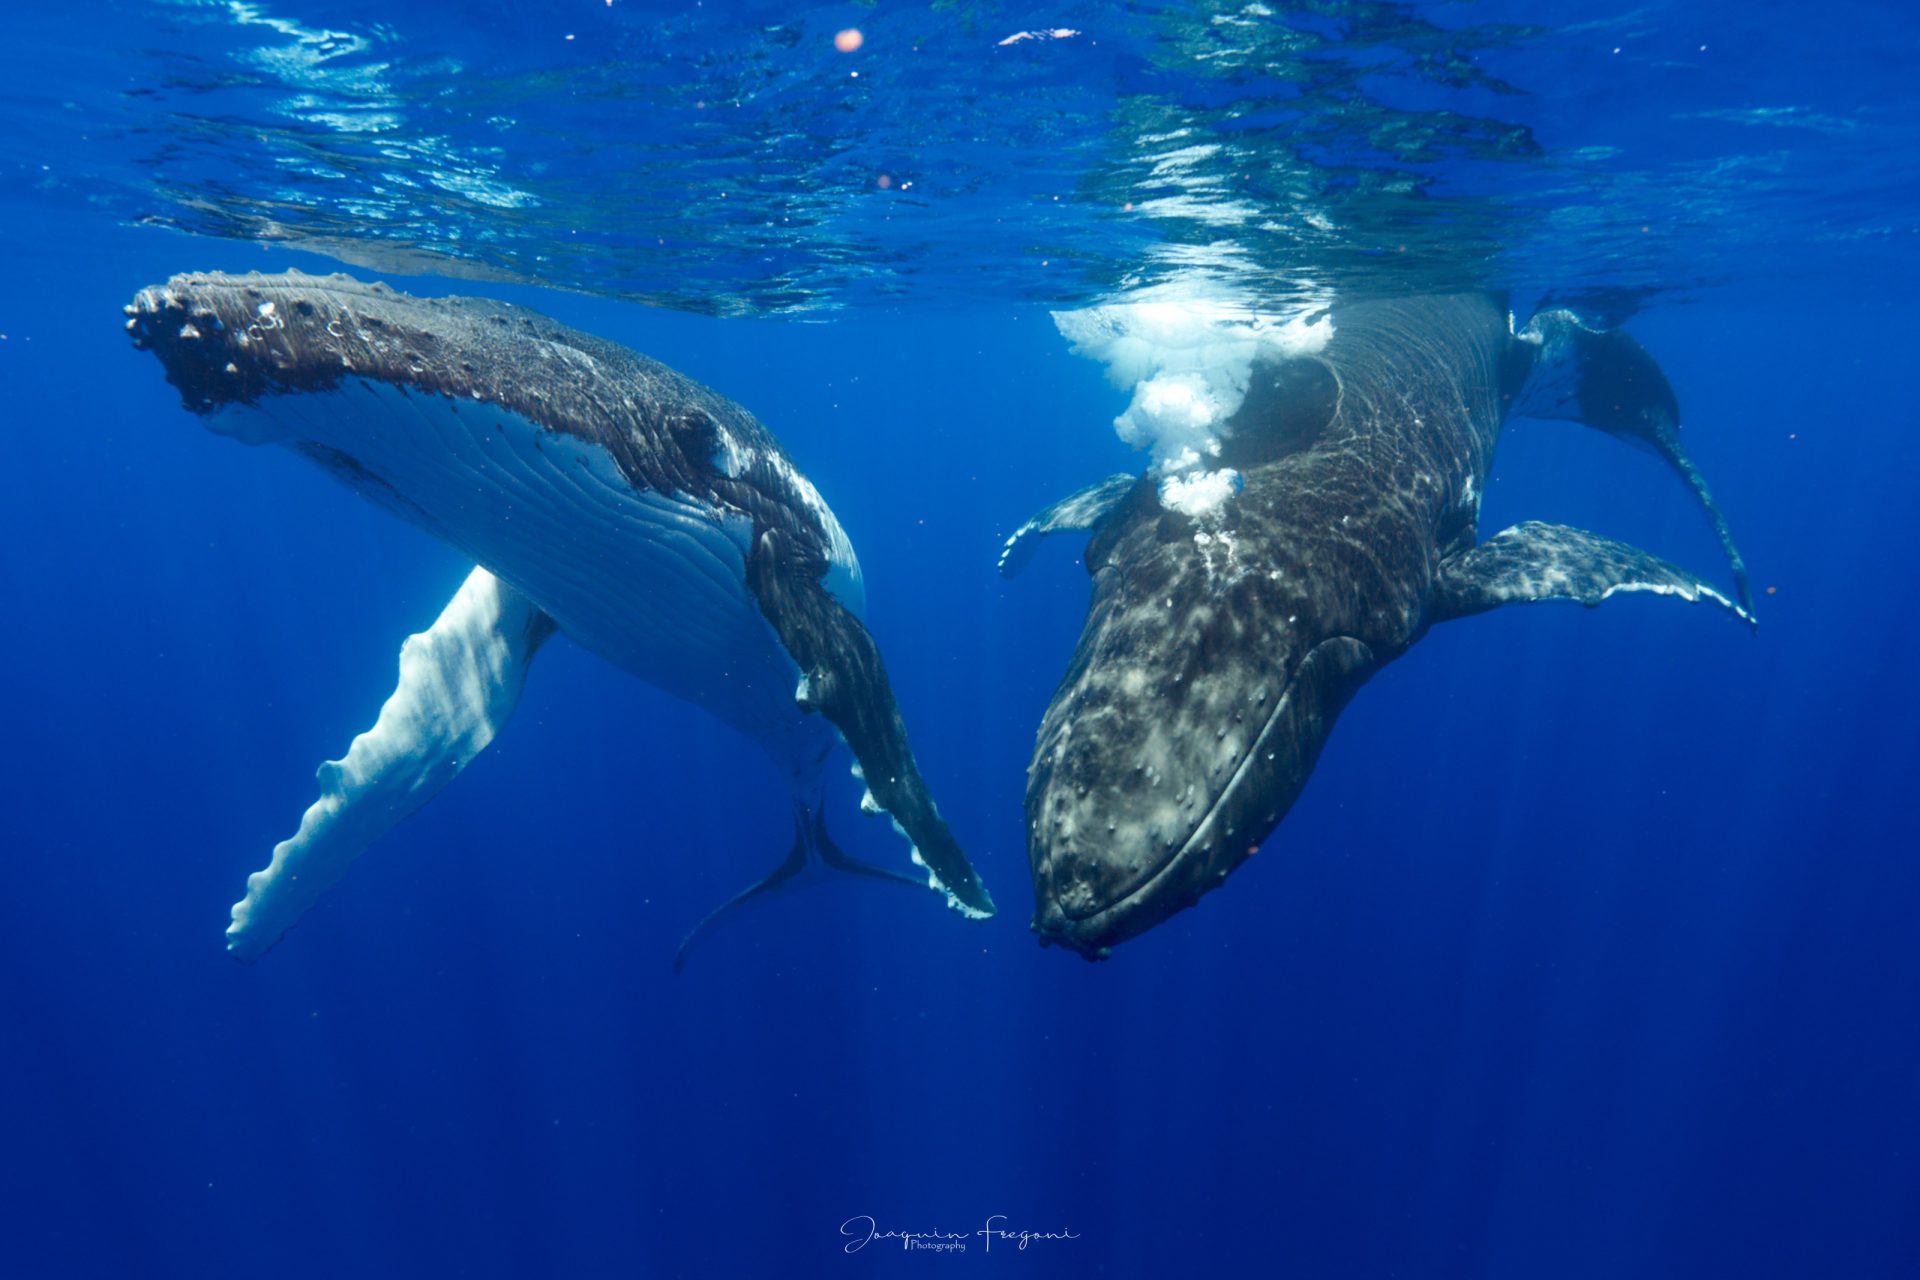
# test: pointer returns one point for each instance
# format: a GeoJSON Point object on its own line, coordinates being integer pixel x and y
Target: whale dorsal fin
{"type": "Point", "coordinates": [1077, 512]}
{"type": "Point", "coordinates": [1607, 380]}
{"type": "Point", "coordinates": [1538, 561]}
{"type": "Point", "coordinates": [843, 678]}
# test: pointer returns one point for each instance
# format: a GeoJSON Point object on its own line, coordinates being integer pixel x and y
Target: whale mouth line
{"type": "Point", "coordinates": [1073, 934]}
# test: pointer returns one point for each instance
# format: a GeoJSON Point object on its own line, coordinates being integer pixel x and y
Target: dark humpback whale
{"type": "Point", "coordinates": [601, 494]}
{"type": "Point", "coordinates": [1219, 647]}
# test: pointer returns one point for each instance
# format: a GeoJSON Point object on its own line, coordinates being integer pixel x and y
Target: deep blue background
{"type": "Point", "coordinates": [1589, 951]}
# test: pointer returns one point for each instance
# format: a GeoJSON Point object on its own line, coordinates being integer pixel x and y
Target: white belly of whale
{"type": "Point", "coordinates": [654, 583]}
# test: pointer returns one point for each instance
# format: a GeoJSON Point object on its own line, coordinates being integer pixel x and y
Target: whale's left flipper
{"type": "Point", "coordinates": [842, 678]}
{"type": "Point", "coordinates": [459, 682]}
{"type": "Point", "coordinates": [1074, 513]}
{"type": "Point", "coordinates": [1537, 561]}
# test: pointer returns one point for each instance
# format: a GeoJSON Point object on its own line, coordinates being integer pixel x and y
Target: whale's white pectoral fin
{"type": "Point", "coordinates": [459, 682]}
{"type": "Point", "coordinates": [1539, 561]}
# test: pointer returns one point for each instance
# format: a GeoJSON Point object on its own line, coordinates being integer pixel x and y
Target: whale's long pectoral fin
{"type": "Point", "coordinates": [459, 681]}
{"type": "Point", "coordinates": [1537, 561]}
{"type": "Point", "coordinates": [1077, 512]}
{"type": "Point", "coordinates": [810, 843]}
{"type": "Point", "coordinates": [1607, 380]}
{"type": "Point", "coordinates": [843, 678]}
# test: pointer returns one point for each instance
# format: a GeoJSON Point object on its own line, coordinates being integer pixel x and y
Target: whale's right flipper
{"type": "Point", "coordinates": [1076, 512]}
{"type": "Point", "coordinates": [1537, 561]}
{"type": "Point", "coordinates": [459, 681]}
{"type": "Point", "coordinates": [842, 678]}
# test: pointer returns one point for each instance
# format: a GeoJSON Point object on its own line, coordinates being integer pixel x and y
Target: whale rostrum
{"type": "Point", "coordinates": [601, 496]}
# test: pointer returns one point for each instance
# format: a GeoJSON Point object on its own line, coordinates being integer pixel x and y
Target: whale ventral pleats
{"type": "Point", "coordinates": [597, 493]}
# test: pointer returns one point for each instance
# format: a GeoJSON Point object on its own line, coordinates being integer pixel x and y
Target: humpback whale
{"type": "Point", "coordinates": [601, 495]}
{"type": "Point", "coordinates": [1236, 609]}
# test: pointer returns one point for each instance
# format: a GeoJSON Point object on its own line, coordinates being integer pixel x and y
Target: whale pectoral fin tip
{"type": "Point", "coordinates": [975, 903]}
{"type": "Point", "coordinates": [985, 911]}
{"type": "Point", "coordinates": [241, 947]}
{"type": "Point", "coordinates": [850, 688]}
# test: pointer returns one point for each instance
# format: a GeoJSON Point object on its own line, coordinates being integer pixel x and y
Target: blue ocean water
{"type": "Point", "coordinates": [1588, 951]}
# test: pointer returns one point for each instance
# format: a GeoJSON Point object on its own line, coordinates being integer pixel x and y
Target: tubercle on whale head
{"type": "Point", "coordinates": [235, 339]}
{"type": "Point", "coordinates": [226, 339]}
{"type": "Point", "coordinates": [1125, 830]}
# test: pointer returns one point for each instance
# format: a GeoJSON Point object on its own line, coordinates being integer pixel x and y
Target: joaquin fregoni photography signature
{"type": "Point", "coordinates": [863, 1229]}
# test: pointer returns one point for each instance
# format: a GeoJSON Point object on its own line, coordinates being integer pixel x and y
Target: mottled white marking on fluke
{"type": "Point", "coordinates": [459, 682]}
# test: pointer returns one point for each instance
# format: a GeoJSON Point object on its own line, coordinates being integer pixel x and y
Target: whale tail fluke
{"type": "Point", "coordinates": [811, 844]}
{"type": "Point", "coordinates": [793, 865]}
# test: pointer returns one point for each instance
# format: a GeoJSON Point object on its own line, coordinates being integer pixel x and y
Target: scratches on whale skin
{"type": "Point", "coordinates": [1360, 533]}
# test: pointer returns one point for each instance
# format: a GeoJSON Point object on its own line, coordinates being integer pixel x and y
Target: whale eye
{"type": "Point", "coordinates": [695, 432]}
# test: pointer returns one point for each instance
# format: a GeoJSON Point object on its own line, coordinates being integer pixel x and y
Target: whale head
{"type": "Point", "coordinates": [1217, 652]}
{"type": "Point", "coordinates": [1183, 732]}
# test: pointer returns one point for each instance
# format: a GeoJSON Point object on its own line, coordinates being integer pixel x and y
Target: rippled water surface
{"type": "Point", "coordinates": [731, 158]}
